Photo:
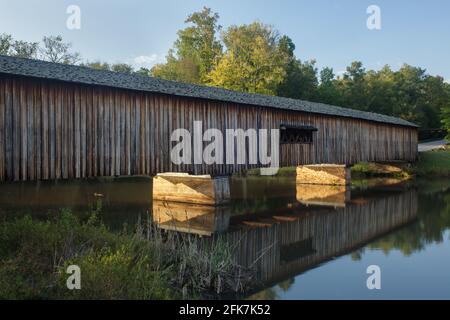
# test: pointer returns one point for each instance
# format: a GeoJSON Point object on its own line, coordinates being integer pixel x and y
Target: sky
{"type": "Point", "coordinates": [333, 32]}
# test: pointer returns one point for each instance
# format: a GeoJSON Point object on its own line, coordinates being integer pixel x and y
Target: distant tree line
{"type": "Point", "coordinates": [256, 58]}
{"type": "Point", "coordinates": [54, 49]}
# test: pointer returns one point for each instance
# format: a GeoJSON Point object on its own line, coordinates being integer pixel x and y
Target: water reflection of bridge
{"type": "Point", "coordinates": [311, 238]}
{"type": "Point", "coordinates": [290, 240]}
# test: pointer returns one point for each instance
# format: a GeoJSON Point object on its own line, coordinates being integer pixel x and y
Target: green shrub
{"type": "Point", "coordinates": [144, 264]}
{"type": "Point", "coordinates": [434, 163]}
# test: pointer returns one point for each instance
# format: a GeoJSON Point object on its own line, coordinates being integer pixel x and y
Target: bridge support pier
{"type": "Point", "coordinates": [324, 174]}
{"type": "Point", "coordinates": [183, 187]}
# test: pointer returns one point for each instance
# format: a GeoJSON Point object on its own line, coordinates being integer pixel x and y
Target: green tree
{"type": "Point", "coordinates": [445, 112]}
{"type": "Point", "coordinates": [327, 91]}
{"type": "Point", "coordinates": [23, 49]}
{"type": "Point", "coordinates": [435, 98]}
{"type": "Point", "coordinates": [195, 51]}
{"type": "Point", "coordinates": [301, 80]}
{"type": "Point", "coordinates": [253, 61]}
{"type": "Point", "coordinates": [97, 65]}
{"type": "Point", "coordinates": [5, 44]}
{"type": "Point", "coordinates": [353, 86]}
{"type": "Point", "coordinates": [380, 91]}
{"type": "Point", "coordinates": [122, 67]}
{"type": "Point", "coordinates": [17, 48]}
{"type": "Point", "coordinates": [117, 67]}
{"type": "Point", "coordinates": [144, 72]}
{"type": "Point", "coordinates": [184, 69]}
{"type": "Point", "coordinates": [409, 86]}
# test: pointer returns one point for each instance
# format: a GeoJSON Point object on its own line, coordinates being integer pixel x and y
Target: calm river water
{"type": "Point", "coordinates": [306, 242]}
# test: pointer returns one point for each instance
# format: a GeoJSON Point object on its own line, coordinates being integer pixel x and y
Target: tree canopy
{"type": "Point", "coordinates": [256, 58]}
{"type": "Point", "coordinates": [194, 52]}
{"type": "Point", "coordinates": [253, 61]}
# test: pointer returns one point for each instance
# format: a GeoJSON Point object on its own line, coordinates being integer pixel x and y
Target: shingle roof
{"type": "Point", "coordinates": [84, 75]}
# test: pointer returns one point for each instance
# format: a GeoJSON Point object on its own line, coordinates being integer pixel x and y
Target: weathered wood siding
{"type": "Point", "coordinates": [55, 130]}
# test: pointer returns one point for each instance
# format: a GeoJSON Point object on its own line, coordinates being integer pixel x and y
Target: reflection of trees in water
{"type": "Point", "coordinates": [286, 284]}
{"type": "Point", "coordinates": [357, 254]}
{"type": "Point", "coordinates": [273, 292]}
{"type": "Point", "coordinates": [433, 220]}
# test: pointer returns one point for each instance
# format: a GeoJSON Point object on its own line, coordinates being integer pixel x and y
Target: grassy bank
{"type": "Point", "coordinates": [142, 264]}
{"type": "Point", "coordinates": [433, 164]}
{"type": "Point", "coordinates": [282, 172]}
{"type": "Point", "coordinates": [430, 164]}
{"type": "Point", "coordinates": [361, 170]}
{"type": "Point", "coordinates": [364, 170]}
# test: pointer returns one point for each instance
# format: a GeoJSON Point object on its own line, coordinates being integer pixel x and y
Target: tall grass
{"type": "Point", "coordinates": [145, 263]}
{"type": "Point", "coordinates": [433, 163]}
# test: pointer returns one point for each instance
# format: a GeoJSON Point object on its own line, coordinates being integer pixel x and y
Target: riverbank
{"type": "Point", "coordinates": [140, 264]}
{"type": "Point", "coordinates": [435, 163]}
{"type": "Point", "coordinates": [430, 164]}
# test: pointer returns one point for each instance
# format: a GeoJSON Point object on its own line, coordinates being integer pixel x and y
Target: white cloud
{"type": "Point", "coordinates": [447, 81]}
{"type": "Point", "coordinates": [148, 60]}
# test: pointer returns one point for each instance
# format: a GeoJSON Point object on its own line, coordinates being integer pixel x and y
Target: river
{"type": "Point", "coordinates": [304, 241]}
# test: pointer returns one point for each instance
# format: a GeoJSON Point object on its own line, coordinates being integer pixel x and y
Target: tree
{"type": "Point", "coordinates": [435, 98]}
{"type": "Point", "coordinates": [5, 44]}
{"type": "Point", "coordinates": [97, 65]}
{"type": "Point", "coordinates": [353, 86]}
{"type": "Point", "coordinates": [300, 81]}
{"type": "Point", "coordinates": [122, 67]}
{"type": "Point", "coordinates": [184, 69]}
{"type": "Point", "coordinates": [23, 49]}
{"type": "Point", "coordinates": [380, 94]}
{"type": "Point", "coordinates": [55, 50]}
{"type": "Point", "coordinates": [445, 112]}
{"type": "Point", "coordinates": [195, 51]}
{"type": "Point", "coordinates": [118, 67]}
{"type": "Point", "coordinates": [144, 72]}
{"type": "Point", "coordinates": [409, 87]}
{"type": "Point", "coordinates": [327, 91]}
{"type": "Point", "coordinates": [253, 61]}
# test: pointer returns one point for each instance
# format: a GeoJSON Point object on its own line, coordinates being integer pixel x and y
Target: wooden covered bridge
{"type": "Point", "coordinates": [61, 121]}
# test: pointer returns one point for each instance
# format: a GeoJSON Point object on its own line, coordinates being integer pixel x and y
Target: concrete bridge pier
{"type": "Point", "coordinates": [195, 189]}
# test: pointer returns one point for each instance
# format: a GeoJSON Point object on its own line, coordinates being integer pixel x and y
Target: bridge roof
{"type": "Point", "coordinates": [85, 75]}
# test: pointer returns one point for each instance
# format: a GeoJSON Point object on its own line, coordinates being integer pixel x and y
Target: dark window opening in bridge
{"type": "Point", "coordinates": [297, 250]}
{"type": "Point", "coordinates": [292, 134]}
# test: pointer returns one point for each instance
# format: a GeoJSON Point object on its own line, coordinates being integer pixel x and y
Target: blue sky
{"type": "Point", "coordinates": [333, 32]}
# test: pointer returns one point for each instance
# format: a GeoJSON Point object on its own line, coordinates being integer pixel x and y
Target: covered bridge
{"type": "Point", "coordinates": [61, 121]}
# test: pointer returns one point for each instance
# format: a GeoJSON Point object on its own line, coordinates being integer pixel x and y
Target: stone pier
{"type": "Point", "coordinates": [323, 174]}
{"type": "Point", "coordinates": [183, 187]}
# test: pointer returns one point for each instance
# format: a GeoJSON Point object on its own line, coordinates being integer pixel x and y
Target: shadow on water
{"type": "Point", "coordinates": [277, 227]}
